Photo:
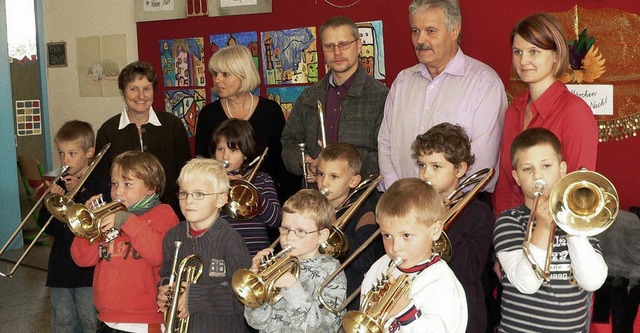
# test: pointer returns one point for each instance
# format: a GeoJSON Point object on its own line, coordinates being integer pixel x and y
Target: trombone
{"type": "Point", "coordinates": [582, 203]}
{"type": "Point", "coordinates": [190, 274]}
{"type": "Point", "coordinates": [244, 198]}
{"type": "Point", "coordinates": [442, 246]}
{"type": "Point", "coordinates": [323, 144]}
{"type": "Point", "coordinates": [24, 221]}
{"type": "Point", "coordinates": [253, 289]}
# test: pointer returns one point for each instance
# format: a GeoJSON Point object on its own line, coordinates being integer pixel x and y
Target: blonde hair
{"type": "Point", "coordinates": [313, 206]}
{"type": "Point", "coordinates": [205, 169]}
{"type": "Point", "coordinates": [410, 198]}
{"type": "Point", "coordinates": [238, 61]}
{"type": "Point", "coordinates": [141, 165]}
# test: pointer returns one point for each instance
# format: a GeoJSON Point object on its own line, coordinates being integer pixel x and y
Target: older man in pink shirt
{"type": "Point", "coordinates": [445, 86]}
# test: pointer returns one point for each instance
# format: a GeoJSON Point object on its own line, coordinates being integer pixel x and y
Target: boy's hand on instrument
{"type": "Point", "coordinates": [402, 303]}
{"type": "Point", "coordinates": [286, 281]}
{"type": "Point", "coordinates": [107, 222]}
{"type": "Point", "coordinates": [55, 188]}
{"type": "Point", "coordinates": [257, 259]}
{"type": "Point", "coordinates": [70, 181]}
{"type": "Point", "coordinates": [182, 300]}
{"type": "Point", "coordinates": [235, 176]}
{"type": "Point", "coordinates": [543, 214]}
{"type": "Point", "coordinates": [162, 299]}
{"type": "Point", "coordinates": [89, 203]}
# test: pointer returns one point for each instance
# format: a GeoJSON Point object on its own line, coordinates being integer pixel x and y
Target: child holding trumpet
{"type": "Point", "coordinates": [408, 214]}
{"type": "Point", "coordinates": [234, 144]}
{"type": "Point", "coordinates": [126, 269]}
{"type": "Point", "coordinates": [209, 303]}
{"type": "Point", "coordinates": [307, 217]}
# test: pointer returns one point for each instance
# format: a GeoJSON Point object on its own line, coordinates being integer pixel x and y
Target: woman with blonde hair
{"type": "Point", "coordinates": [235, 77]}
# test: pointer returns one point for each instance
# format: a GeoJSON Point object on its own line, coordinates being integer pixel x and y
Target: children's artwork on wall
{"type": "Point", "coordinates": [197, 8]}
{"type": "Point", "coordinates": [100, 59]}
{"type": "Point", "coordinates": [186, 105]}
{"type": "Point", "coordinates": [28, 118]}
{"type": "Point", "coordinates": [290, 56]}
{"type": "Point", "coordinates": [372, 53]}
{"type": "Point", "coordinates": [183, 62]}
{"type": "Point", "coordinates": [248, 39]}
{"type": "Point", "coordinates": [285, 96]}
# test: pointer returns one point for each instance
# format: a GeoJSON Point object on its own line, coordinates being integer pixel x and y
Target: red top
{"type": "Point", "coordinates": [126, 275]}
{"type": "Point", "coordinates": [564, 114]}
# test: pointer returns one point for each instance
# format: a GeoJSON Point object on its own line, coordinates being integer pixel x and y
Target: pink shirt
{"type": "Point", "coordinates": [467, 92]}
{"type": "Point", "coordinates": [564, 114]}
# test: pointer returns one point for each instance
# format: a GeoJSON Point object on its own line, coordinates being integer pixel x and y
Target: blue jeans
{"type": "Point", "coordinates": [72, 310]}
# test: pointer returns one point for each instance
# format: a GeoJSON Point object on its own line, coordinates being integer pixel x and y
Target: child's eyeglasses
{"type": "Point", "coordinates": [194, 195]}
{"type": "Point", "coordinates": [298, 232]}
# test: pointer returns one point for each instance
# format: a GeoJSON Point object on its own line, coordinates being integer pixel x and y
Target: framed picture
{"type": "Point", "coordinates": [57, 54]}
{"type": "Point", "coordinates": [238, 7]}
{"type": "Point", "coordinates": [157, 10]}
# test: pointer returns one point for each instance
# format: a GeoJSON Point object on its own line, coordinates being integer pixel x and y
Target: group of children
{"type": "Point", "coordinates": [130, 275]}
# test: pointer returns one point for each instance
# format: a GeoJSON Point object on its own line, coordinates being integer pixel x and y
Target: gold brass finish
{"type": "Point", "coordinates": [244, 198]}
{"type": "Point", "coordinates": [186, 272]}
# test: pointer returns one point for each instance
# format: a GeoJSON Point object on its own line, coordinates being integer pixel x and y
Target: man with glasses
{"type": "Point", "coordinates": [352, 103]}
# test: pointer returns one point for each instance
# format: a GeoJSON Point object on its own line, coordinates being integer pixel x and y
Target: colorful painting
{"type": "Point", "coordinates": [290, 56]}
{"type": "Point", "coordinates": [372, 53]}
{"type": "Point", "coordinates": [183, 62]}
{"type": "Point", "coordinates": [186, 105]}
{"type": "Point", "coordinates": [28, 117]}
{"type": "Point", "coordinates": [248, 39]}
{"type": "Point", "coordinates": [285, 96]}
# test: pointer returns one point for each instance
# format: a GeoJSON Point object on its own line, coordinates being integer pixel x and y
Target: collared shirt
{"type": "Point", "coordinates": [467, 92]}
{"type": "Point", "coordinates": [125, 121]}
{"type": "Point", "coordinates": [564, 114]}
{"type": "Point", "coordinates": [333, 101]}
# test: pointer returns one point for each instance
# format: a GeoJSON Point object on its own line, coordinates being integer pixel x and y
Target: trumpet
{"type": "Point", "coordinates": [323, 144]}
{"type": "Point", "coordinates": [583, 203]}
{"type": "Point", "coordinates": [254, 289]}
{"type": "Point", "coordinates": [377, 303]}
{"type": "Point", "coordinates": [63, 171]}
{"type": "Point", "coordinates": [189, 273]}
{"type": "Point", "coordinates": [442, 246]}
{"type": "Point", "coordinates": [244, 198]}
{"type": "Point", "coordinates": [87, 222]}
{"type": "Point", "coordinates": [337, 244]}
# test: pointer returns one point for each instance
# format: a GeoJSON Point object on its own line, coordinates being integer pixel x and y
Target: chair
{"type": "Point", "coordinates": [31, 175]}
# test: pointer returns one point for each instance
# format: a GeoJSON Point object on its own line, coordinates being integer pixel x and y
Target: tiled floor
{"type": "Point", "coordinates": [24, 300]}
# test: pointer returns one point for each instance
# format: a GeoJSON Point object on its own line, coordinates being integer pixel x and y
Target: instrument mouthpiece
{"type": "Point", "coordinates": [539, 186]}
{"type": "Point", "coordinates": [325, 191]}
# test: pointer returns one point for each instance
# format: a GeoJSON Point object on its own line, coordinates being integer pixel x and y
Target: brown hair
{"type": "Point", "coordinates": [239, 135]}
{"type": "Point", "coordinates": [532, 137]}
{"type": "Point", "coordinates": [133, 71]}
{"type": "Point", "coordinates": [143, 166]}
{"type": "Point", "coordinates": [313, 206]}
{"type": "Point", "coordinates": [343, 152]}
{"type": "Point", "coordinates": [339, 21]}
{"type": "Point", "coordinates": [451, 140]}
{"type": "Point", "coordinates": [76, 131]}
{"type": "Point", "coordinates": [545, 31]}
{"type": "Point", "coordinates": [410, 198]}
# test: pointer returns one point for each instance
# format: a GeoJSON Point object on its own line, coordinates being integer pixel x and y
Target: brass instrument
{"type": "Point", "coordinates": [305, 165]}
{"type": "Point", "coordinates": [253, 289]}
{"type": "Point", "coordinates": [582, 203]}
{"type": "Point", "coordinates": [244, 198]}
{"type": "Point", "coordinates": [24, 222]}
{"type": "Point", "coordinates": [306, 175]}
{"type": "Point", "coordinates": [87, 222]}
{"type": "Point", "coordinates": [186, 272]}
{"type": "Point", "coordinates": [442, 246]}
{"type": "Point", "coordinates": [337, 244]}
{"type": "Point", "coordinates": [378, 302]}
{"type": "Point", "coordinates": [323, 132]}
{"type": "Point", "coordinates": [57, 204]}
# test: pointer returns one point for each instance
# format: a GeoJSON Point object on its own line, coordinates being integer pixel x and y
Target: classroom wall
{"type": "Point", "coordinates": [485, 36]}
{"type": "Point", "coordinates": [70, 19]}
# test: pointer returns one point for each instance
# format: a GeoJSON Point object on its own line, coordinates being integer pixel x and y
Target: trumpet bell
{"type": "Point", "coordinates": [249, 288]}
{"type": "Point", "coordinates": [442, 246]}
{"type": "Point", "coordinates": [244, 200]}
{"type": "Point", "coordinates": [86, 223]}
{"type": "Point", "coordinates": [336, 245]}
{"type": "Point", "coordinates": [360, 322]}
{"type": "Point", "coordinates": [584, 203]}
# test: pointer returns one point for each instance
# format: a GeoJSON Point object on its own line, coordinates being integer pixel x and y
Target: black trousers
{"type": "Point", "coordinates": [616, 300]}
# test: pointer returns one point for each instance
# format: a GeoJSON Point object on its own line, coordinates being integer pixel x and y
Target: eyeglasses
{"type": "Point", "coordinates": [298, 232]}
{"type": "Point", "coordinates": [194, 195]}
{"type": "Point", "coordinates": [342, 46]}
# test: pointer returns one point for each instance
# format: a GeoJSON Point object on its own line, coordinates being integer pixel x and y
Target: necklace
{"type": "Point", "coordinates": [249, 111]}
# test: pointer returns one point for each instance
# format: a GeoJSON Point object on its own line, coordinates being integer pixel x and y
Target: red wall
{"type": "Point", "coordinates": [485, 36]}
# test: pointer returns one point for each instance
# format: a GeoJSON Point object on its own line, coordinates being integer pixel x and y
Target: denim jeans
{"type": "Point", "coordinates": [72, 310]}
